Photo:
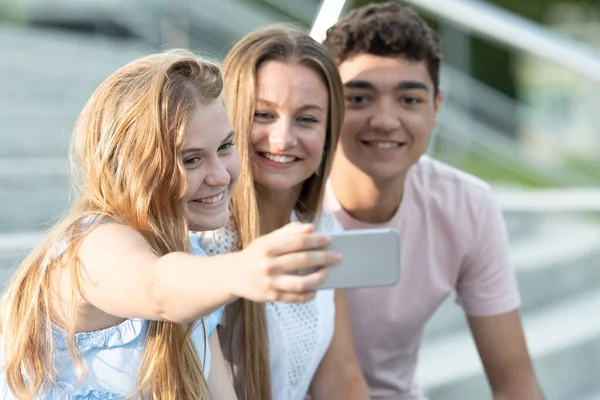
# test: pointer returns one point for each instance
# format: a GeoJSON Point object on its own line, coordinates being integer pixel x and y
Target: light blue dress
{"type": "Point", "coordinates": [113, 357]}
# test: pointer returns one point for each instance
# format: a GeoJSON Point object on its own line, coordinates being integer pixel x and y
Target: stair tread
{"type": "Point", "coordinates": [17, 241]}
{"type": "Point", "coordinates": [438, 357]}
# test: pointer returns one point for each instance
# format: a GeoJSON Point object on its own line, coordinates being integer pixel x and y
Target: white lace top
{"type": "Point", "coordinates": [299, 334]}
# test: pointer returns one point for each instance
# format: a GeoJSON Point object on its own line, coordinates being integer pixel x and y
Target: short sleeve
{"type": "Point", "coordinates": [487, 283]}
{"type": "Point", "coordinates": [195, 245]}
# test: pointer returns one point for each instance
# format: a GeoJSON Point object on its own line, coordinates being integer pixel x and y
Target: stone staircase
{"type": "Point", "coordinates": [45, 82]}
{"type": "Point", "coordinates": [558, 270]}
{"type": "Point", "coordinates": [46, 76]}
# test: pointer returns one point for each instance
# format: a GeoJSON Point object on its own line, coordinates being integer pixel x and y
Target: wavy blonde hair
{"type": "Point", "coordinates": [125, 155]}
{"type": "Point", "coordinates": [247, 349]}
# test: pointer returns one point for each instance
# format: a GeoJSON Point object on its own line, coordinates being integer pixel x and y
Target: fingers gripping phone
{"type": "Point", "coordinates": [370, 258]}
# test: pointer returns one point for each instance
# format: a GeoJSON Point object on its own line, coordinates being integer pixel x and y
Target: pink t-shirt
{"type": "Point", "coordinates": [452, 238]}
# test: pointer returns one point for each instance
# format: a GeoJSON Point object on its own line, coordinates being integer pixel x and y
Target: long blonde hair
{"type": "Point", "coordinates": [293, 46]}
{"type": "Point", "coordinates": [125, 155]}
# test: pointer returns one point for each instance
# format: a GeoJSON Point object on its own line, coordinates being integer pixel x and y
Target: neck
{"type": "Point", "coordinates": [364, 198]}
{"type": "Point", "coordinates": [275, 207]}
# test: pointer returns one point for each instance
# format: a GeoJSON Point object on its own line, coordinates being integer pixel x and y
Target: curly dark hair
{"type": "Point", "coordinates": [388, 30]}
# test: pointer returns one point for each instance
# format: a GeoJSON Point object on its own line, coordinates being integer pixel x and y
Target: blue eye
{"type": "Point", "coordinates": [262, 115]}
{"type": "Point", "coordinates": [308, 120]}
{"type": "Point", "coordinates": [191, 161]}
{"type": "Point", "coordinates": [226, 146]}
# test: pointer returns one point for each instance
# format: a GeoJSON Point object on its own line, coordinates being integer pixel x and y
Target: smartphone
{"type": "Point", "coordinates": [370, 258]}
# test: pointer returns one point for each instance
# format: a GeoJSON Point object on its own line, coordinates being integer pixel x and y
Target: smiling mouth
{"type": "Point", "coordinates": [211, 199]}
{"type": "Point", "coordinates": [383, 145]}
{"type": "Point", "coordinates": [278, 158]}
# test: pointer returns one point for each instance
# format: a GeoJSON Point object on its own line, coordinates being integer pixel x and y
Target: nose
{"type": "Point", "coordinates": [385, 117]}
{"type": "Point", "coordinates": [217, 174]}
{"type": "Point", "coordinates": [282, 136]}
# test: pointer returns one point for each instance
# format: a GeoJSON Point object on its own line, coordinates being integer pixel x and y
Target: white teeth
{"type": "Point", "coordinates": [279, 159]}
{"type": "Point", "coordinates": [213, 199]}
{"type": "Point", "coordinates": [384, 145]}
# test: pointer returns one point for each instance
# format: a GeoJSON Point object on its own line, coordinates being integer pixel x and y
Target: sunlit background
{"type": "Point", "coordinates": [522, 110]}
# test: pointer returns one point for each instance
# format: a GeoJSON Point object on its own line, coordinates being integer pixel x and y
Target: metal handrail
{"type": "Point", "coordinates": [551, 200]}
{"type": "Point", "coordinates": [494, 23]}
{"type": "Point", "coordinates": [328, 14]}
{"type": "Point", "coordinates": [509, 29]}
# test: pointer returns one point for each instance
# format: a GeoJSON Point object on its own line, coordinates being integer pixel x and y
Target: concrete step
{"type": "Point", "coordinates": [44, 135]}
{"type": "Point", "coordinates": [33, 192]}
{"type": "Point", "coordinates": [564, 342]}
{"type": "Point", "coordinates": [65, 92]}
{"type": "Point", "coordinates": [595, 395]}
{"type": "Point", "coordinates": [46, 82]}
{"type": "Point", "coordinates": [521, 225]}
{"type": "Point", "coordinates": [559, 259]}
{"type": "Point", "coordinates": [66, 77]}
{"type": "Point", "coordinates": [58, 45]}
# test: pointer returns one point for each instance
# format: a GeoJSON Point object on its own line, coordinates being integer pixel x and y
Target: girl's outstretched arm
{"type": "Point", "coordinates": [123, 277]}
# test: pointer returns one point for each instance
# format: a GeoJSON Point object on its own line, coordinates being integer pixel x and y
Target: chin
{"type": "Point", "coordinates": [204, 223]}
{"type": "Point", "coordinates": [379, 174]}
{"type": "Point", "coordinates": [278, 185]}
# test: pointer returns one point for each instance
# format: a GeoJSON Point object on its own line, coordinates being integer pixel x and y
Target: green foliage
{"type": "Point", "coordinates": [11, 13]}
{"type": "Point", "coordinates": [484, 165]}
{"type": "Point", "coordinates": [588, 167]}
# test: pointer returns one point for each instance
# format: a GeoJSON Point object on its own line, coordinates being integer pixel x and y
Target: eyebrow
{"type": "Point", "coordinates": [311, 107]}
{"type": "Point", "coordinates": [229, 137]}
{"type": "Point", "coordinates": [305, 107]}
{"type": "Point", "coordinates": [359, 85]}
{"type": "Point", "coordinates": [200, 150]}
{"type": "Point", "coordinates": [259, 100]}
{"type": "Point", "coordinates": [404, 85]}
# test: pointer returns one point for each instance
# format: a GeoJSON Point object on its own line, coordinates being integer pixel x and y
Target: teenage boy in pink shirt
{"type": "Point", "coordinates": [452, 234]}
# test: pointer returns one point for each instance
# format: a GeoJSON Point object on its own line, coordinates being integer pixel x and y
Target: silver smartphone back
{"type": "Point", "coordinates": [370, 257]}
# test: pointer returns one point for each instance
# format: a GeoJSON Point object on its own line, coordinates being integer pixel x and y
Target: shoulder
{"type": "Point", "coordinates": [431, 173]}
{"type": "Point", "coordinates": [101, 235]}
{"type": "Point", "coordinates": [441, 185]}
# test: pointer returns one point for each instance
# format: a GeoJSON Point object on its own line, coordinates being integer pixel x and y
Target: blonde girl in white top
{"type": "Point", "coordinates": [285, 100]}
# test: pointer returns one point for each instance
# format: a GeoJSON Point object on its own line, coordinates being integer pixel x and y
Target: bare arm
{"type": "Point", "coordinates": [219, 380]}
{"type": "Point", "coordinates": [131, 281]}
{"type": "Point", "coordinates": [339, 375]}
{"type": "Point", "coordinates": [123, 277]}
{"type": "Point", "coordinates": [503, 350]}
